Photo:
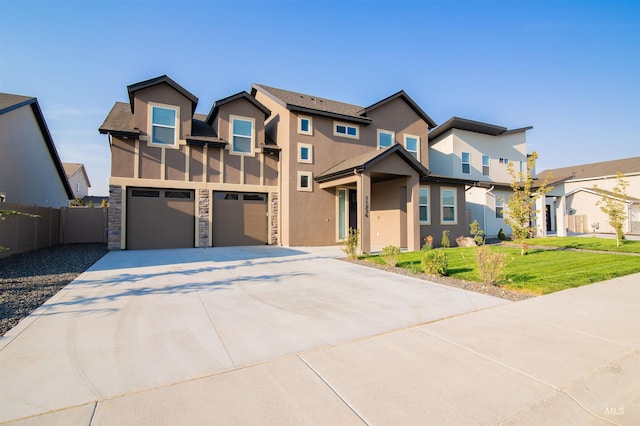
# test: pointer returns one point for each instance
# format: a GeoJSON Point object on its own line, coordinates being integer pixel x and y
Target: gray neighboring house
{"type": "Point", "coordinates": [30, 168]}
{"type": "Point", "coordinates": [571, 204]}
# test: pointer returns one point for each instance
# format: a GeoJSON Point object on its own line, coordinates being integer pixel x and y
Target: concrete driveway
{"type": "Point", "coordinates": [270, 335]}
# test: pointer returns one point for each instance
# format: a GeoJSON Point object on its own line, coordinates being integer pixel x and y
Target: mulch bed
{"type": "Point", "coordinates": [490, 290]}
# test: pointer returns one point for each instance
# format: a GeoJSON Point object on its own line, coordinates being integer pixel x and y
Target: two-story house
{"type": "Point", "coordinates": [274, 167]}
{"type": "Point", "coordinates": [480, 152]}
{"type": "Point", "coordinates": [181, 179]}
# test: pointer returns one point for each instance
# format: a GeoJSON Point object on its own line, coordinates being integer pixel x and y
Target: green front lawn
{"type": "Point", "coordinates": [587, 243]}
{"type": "Point", "coordinates": [539, 272]}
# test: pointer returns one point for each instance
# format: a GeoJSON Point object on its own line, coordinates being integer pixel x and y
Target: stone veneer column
{"type": "Point", "coordinates": [203, 218]}
{"type": "Point", "coordinates": [114, 230]}
{"type": "Point", "coordinates": [273, 229]}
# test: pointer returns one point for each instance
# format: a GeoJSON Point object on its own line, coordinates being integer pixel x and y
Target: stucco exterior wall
{"type": "Point", "coordinates": [27, 171]}
{"type": "Point", "coordinates": [482, 204]}
{"type": "Point", "coordinates": [447, 154]}
{"type": "Point", "coordinates": [78, 184]}
{"type": "Point", "coordinates": [436, 227]}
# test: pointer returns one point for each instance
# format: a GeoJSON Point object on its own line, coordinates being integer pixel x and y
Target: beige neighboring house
{"type": "Point", "coordinates": [78, 179]}
{"type": "Point", "coordinates": [571, 204]}
{"type": "Point", "coordinates": [30, 168]}
{"type": "Point", "coordinates": [478, 151]}
{"type": "Point", "coordinates": [273, 167]}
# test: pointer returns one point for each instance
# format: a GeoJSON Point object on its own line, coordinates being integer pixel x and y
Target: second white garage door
{"type": "Point", "coordinates": [239, 219]}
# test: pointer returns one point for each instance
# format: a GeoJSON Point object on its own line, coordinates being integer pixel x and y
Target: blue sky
{"type": "Point", "coordinates": [571, 69]}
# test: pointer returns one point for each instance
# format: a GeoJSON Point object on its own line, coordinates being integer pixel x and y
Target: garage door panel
{"type": "Point", "coordinates": [160, 219]}
{"type": "Point", "coordinates": [239, 219]}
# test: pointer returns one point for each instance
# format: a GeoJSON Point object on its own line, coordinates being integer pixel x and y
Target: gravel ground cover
{"type": "Point", "coordinates": [28, 280]}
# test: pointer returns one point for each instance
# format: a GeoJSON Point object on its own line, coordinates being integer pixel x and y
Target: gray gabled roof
{"type": "Point", "coordinates": [594, 170]}
{"type": "Point", "coordinates": [241, 95]}
{"type": "Point", "coordinates": [9, 102]}
{"type": "Point", "coordinates": [472, 126]}
{"type": "Point", "coordinates": [402, 95]}
{"type": "Point", "coordinates": [310, 104]}
{"type": "Point", "coordinates": [361, 162]}
{"type": "Point", "coordinates": [163, 79]}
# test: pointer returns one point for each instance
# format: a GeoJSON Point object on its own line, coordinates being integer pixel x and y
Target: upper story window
{"type": "Point", "coordinates": [305, 125]}
{"type": "Point", "coordinates": [485, 165]}
{"type": "Point", "coordinates": [385, 138]}
{"type": "Point", "coordinates": [305, 153]}
{"type": "Point", "coordinates": [242, 135]}
{"type": "Point", "coordinates": [164, 126]}
{"type": "Point", "coordinates": [448, 203]}
{"type": "Point", "coordinates": [466, 162]}
{"type": "Point", "coordinates": [305, 181]}
{"type": "Point", "coordinates": [412, 145]}
{"type": "Point", "coordinates": [346, 130]}
{"type": "Point", "coordinates": [425, 218]}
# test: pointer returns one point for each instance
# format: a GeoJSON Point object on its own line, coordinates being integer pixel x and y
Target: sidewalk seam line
{"type": "Point", "coordinates": [216, 330]}
{"type": "Point", "coordinates": [495, 361]}
{"type": "Point", "coordinates": [93, 413]}
{"type": "Point", "coordinates": [333, 390]}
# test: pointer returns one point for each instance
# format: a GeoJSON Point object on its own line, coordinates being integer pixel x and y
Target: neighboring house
{"type": "Point", "coordinates": [78, 179]}
{"type": "Point", "coordinates": [30, 168]}
{"type": "Point", "coordinates": [273, 167]}
{"type": "Point", "coordinates": [468, 149]}
{"type": "Point", "coordinates": [571, 204]}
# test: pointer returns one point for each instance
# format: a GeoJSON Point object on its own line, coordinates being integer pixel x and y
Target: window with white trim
{"type": "Point", "coordinates": [305, 125]}
{"type": "Point", "coordinates": [305, 181]}
{"type": "Point", "coordinates": [425, 217]}
{"type": "Point", "coordinates": [485, 165]}
{"type": "Point", "coordinates": [242, 135]}
{"type": "Point", "coordinates": [466, 163]}
{"type": "Point", "coordinates": [164, 125]}
{"type": "Point", "coordinates": [305, 153]}
{"type": "Point", "coordinates": [448, 208]}
{"type": "Point", "coordinates": [346, 130]}
{"type": "Point", "coordinates": [499, 207]}
{"type": "Point", "coordinates": [385, 138]}
{"type": "Point", "coordinates": [412, 145]}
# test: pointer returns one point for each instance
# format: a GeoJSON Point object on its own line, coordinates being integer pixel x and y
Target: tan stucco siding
{"type": "Point", "coordinates": [175, 162]}
{"type": "Point", "coordinates": [122, 157]}
{"type": "Point", "coordinates": [270, 169]}
{"type": "Point", "coordinates": [252, 170]}
{"type": "Point", "coordinates": [398, 117]}
{"type": "Point", "coordinates": [27, 170]}
{"type": "Point", "coordinates": [232, 164]}
{"type": "Point", "coordinates": [436, 228]}
{"type": "Point", "coordinates": [150, 161]}
{"type": "Point", "coordinates": [242, 108]}
{"type": "Point", "coordinates": [196, 163]}
{"type": "Point", "coordinates": [386, 212]}
{"type": "Point", "coordinates": [161, 94]}
{"type": "Point", "coordinates": [214, 164]}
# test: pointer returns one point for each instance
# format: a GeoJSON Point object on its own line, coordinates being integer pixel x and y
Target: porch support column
{"type": "Point", "coordinates": [364, 207]}
{"type": "Point", "coordinates": [413, 212]}
{"type": "Point", "coordinates": [561, 211]}
{"type": "Point", "coordinates": [541, 217]}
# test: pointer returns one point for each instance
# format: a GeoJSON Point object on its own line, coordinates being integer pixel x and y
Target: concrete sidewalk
{"type": "Point", "coordinates": [294, 337]}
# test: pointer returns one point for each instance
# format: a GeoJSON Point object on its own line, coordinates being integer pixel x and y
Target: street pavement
{"type": "Point", "coordinates": [272, 335]}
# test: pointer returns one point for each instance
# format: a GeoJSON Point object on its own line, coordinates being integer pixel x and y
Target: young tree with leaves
{"type": "Point", "coordinates": [521, 212]}
{"type": "Point", "coordinates": [615, 206]}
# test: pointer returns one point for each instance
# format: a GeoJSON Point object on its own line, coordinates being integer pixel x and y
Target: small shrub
{"type": "Point", "coordinates": [104, 203]}
{"type": "Point", "coordinates": [445, 242]}
{"type": "Point", "coordinates": [428, 243]}
{"type": "Point", "coordinates": [501, 235]}
{"type": "Point", "coordinates": [390, 255]}
{"type": "Point", "coordinates": [477, 232]}
{"type": "Point", "coordinates": [434, 262]}
{"type": "Point", "coordinates": [491, 265]}
{"type": "Point", "coordinates": [351, 243]}
{"type": "Point", "coordinates": [415, 268]}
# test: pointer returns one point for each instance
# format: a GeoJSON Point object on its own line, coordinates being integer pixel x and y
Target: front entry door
{"type": "Point", "coordinates": [353, 209]}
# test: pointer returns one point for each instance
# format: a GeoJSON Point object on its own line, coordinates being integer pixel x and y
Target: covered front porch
{"type": "Point", "coordinates": [377, 194]}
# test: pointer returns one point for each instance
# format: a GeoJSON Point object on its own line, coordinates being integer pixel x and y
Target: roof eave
{"type": "Point", "coordinates": [351, 118]}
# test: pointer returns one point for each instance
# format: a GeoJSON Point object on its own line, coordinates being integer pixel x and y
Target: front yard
{"type": "Point", "coordinates": [542, 270]}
